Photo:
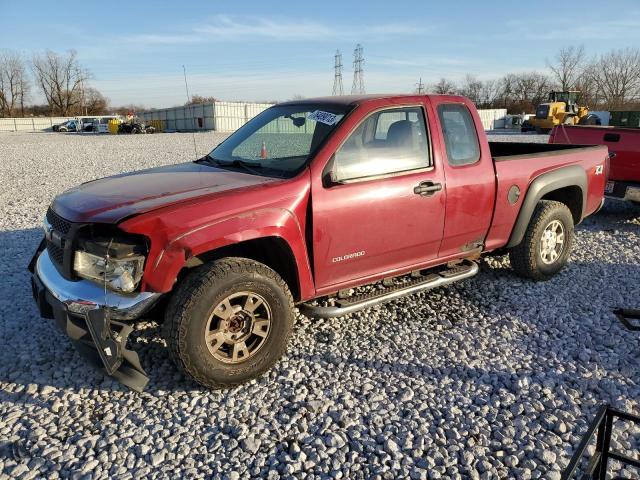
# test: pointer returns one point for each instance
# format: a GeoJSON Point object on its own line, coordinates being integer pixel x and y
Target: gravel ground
{"type": "Point", "coordinates": [492, 378]}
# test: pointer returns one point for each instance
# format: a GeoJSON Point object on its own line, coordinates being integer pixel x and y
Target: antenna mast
{"type": "Point", "coordinates": [358, 72]}
{"type": "Point", "coordinates": [337, 76]}
{"type": "Point", "coordinates": [193, 120]}
{"type": "Point", "coordinates": [420, 87]}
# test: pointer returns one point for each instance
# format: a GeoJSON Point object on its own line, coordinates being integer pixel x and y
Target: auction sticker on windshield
{"type": "Point", "coordinates": [323, 117]}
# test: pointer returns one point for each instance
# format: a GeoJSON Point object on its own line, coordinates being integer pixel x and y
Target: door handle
{"type": "Point", "coordinates": [426, 189]}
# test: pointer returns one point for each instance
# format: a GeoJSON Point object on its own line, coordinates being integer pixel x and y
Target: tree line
{"type": "Point", "coordinates": [59, 78]}
{"type": "Point", "coordinates": [610, 81]}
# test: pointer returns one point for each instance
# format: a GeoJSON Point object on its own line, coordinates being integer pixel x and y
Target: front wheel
{"type": "Point", "coordinates": [229, 322]}
{"type": "Point", "coordinates": [547, 243]}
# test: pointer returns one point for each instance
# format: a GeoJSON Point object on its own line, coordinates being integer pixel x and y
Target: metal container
{"type": "Point", "coordinates": [628, 118]}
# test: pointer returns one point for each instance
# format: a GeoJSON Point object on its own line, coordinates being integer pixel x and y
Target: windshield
{"type": "Point", "coordinates": [280, 140]}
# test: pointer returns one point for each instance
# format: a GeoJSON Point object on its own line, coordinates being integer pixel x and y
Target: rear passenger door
{"type": "Point", "coordinates": [470, 175]}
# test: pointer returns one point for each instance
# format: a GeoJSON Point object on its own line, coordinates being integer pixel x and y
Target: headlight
{"type": "Point", "coordinates": [119, 274]}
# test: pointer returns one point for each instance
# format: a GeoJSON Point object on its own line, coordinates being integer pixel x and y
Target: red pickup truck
{"type": "Point", "coordinates": [624, 147]}
{"type": "Point", "coordinates": [309, 199]}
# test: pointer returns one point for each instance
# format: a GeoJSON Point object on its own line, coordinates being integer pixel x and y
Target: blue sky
{"type": "Point", "coordinates": [255, 50]}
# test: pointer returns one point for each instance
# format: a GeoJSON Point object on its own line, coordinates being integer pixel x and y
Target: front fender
{"type": "Point", "coordinates": [169, 255]}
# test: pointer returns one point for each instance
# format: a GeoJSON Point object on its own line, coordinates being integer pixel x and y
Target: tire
{"type": "Point", "coordinates": [533, 258]}
{"type": "Point", "coordinates": [214, 287]}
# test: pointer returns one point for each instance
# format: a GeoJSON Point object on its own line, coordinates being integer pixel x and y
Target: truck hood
{"type": "Point", "coordinates": [111, 199]}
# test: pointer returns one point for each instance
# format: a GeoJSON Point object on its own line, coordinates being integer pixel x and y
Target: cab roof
{"type": "Point", "coordinates": [345, 100]}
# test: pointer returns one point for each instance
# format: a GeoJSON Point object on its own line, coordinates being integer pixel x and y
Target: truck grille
{"type": "Point", "coordinates": [56, 254]}
{"type": "Point", "coordinates": [58, 223]}
{"type": "Point", "coordinates": [60, 242]}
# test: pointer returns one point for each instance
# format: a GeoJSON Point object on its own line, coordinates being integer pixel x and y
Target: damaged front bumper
{"type": "Point", "coordinates": [93, 318]}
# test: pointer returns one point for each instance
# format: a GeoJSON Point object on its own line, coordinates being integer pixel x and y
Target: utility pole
{"type": "Point", "coordinates": [337, 75]}
{"type": "Point", "coordinates": [358, 72]}
{"type": "Point", "coordinates": [420, 87]}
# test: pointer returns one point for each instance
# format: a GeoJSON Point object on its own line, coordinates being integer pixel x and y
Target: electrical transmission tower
{"type": "Point", "coordinates": [420, 87]}
{"type": "Point", "coordinates": [337, 76]}
{"type": "Point", "coordinates": [358, 72]}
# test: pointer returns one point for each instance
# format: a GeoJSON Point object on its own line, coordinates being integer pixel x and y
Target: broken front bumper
{"type": "Point", "coordinates": [93, 318]}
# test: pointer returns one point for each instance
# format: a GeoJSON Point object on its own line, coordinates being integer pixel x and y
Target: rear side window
{"type": "Point", "coordinates": [460, 136]}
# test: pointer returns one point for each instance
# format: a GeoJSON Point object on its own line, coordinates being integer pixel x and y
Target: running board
{"type": "Point", "coordinates": [366, 300]}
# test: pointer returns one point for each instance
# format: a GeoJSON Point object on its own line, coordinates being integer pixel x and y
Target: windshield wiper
{"type": "Point", "coordinates": [209, 159]}
{"type": "Point", "coordinates": [248, 166]}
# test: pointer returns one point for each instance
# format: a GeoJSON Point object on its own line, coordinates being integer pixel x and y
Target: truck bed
{"type": "Point", "coordinates": [503, 150]}
{"type": "Point", "coordinates": [518, 164]}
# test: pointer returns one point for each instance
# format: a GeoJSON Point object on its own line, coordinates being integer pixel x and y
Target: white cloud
{"type": "Point", "coordinates": [233, 28]}
{"type": "Point", "coordinates": [557, 29]}
{"type": "Point", "coordinates": [428, 62]}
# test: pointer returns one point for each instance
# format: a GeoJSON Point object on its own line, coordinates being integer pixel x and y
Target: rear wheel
{"type": "Point", "coordinates": [228, 322]}
{"type": "Point", "coordinates": [547, 243]}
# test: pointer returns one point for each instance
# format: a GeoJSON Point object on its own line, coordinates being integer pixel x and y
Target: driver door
{"type": "Point", "coordinates": [383, 210]}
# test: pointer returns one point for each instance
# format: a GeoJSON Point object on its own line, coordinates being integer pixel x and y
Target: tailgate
{"type": "Point", "coordinates": [623, 142]}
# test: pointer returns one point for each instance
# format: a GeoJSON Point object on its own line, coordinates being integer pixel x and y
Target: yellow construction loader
{"type": "Point", "coordinates": [561, 109]}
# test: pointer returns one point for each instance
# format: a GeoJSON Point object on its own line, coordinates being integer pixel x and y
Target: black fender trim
{"type": "Point", "coordinates": [569, 176]}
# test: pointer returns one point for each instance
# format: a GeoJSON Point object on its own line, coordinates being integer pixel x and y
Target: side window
{"type": "Point", "coordinates": [388, 141]}
{"type": "Point", "coordinates": [460, 136]}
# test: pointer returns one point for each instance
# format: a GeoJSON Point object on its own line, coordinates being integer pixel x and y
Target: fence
{"type": "Point", "coordinates": [218, 116]}
{"type": "Point", "coordinates": [32, 124]}
{"type": "Point", "coordinates": [229, 116]}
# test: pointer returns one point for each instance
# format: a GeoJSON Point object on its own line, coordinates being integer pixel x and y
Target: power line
{"type": "Point", "coordinates": [420, 87]}
{"type": "Point", "coordinates": [358, 71]}
{"type": "Point", "coordinates": [337, 75]}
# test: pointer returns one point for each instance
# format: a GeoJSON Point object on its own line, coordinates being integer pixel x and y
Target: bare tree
{"type": "Point", "coordinates": [94, 102]}
{"type": "Point", "coordinates": [130, 108]}
{"type": "Point", "coordinates": [567, 67]}
{"type": "Point", "coordinates": [14, 84]}
{"type": "Point", "coordinates": [616, 76]}
{"type": "Point", "coordinates": [61, 79]}
{"type": "Point", "coordinates": [489, 93]}
{"type": "Point", "coordinates": [198, 99]}
{"type": "Point", "coordinates": [444, 87]}
{"type": "Point", "coordinates": [523, 92]}
{"type": "Point", "coordinates": [472, 89]}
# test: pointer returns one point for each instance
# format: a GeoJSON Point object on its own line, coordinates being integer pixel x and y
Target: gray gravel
{"type": "Point", "coordinates": [493, 378]}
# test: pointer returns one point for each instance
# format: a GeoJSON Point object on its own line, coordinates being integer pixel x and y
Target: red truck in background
{"type": "Point", "coordinates": [624, 147]}
{"type": "Point", "coordinates": [309, 199]}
